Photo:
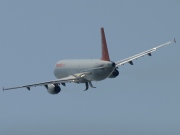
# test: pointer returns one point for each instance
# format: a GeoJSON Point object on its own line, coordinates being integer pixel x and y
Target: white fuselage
{"type": "Point", "coordinates": [95, 69]}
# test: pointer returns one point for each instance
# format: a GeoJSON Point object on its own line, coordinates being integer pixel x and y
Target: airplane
{"type": "Point", "coordinates": [87, 70]}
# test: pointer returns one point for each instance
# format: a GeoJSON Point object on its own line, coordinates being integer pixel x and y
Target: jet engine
{"type": "Point", "coordinates": [53, 88]}
{"type": "Point", "coordinates": [114, 74]}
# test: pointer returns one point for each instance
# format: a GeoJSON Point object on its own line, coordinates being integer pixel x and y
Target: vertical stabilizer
{"type": "Point", "coordinates": [105, 54]}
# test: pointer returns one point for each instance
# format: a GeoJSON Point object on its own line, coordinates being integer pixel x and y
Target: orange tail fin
{"type": "Point", "coordinates": [105, 54]}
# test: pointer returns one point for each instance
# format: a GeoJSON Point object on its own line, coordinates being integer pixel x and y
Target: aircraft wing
{"type": "Point", "coordinates": [148, 52]}
{"type": "Point", "coordinates": [76, 78]}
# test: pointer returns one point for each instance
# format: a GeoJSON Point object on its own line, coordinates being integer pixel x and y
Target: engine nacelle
{"type": "Point", "coordinates": [53, 89]}
{"type": "Point", "coordinates": [114, 74]}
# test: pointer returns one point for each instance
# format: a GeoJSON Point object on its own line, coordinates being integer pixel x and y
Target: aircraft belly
{"type": "Point", "coordinates": [60, 73]}
{"type": "Point", "coordinates": [101, 74]}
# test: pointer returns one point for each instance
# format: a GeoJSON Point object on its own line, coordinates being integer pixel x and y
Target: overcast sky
{"type": "Point", "coordinates": [143, 100]}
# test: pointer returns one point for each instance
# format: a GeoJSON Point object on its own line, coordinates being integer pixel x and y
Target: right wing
{"type": "Point", "coordinates": [148, 52]}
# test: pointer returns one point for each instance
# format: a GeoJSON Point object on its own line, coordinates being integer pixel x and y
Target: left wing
{"type": "Point", "coordinates": [148, 52]}
{"type": "Point", "coordinates": [76, 78]}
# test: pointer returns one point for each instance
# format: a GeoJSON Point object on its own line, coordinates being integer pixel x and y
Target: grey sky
{"type": "Point", "coordinates": [143, 99]}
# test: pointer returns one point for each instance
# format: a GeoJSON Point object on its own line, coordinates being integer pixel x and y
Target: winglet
{"type": "Point", "coordinates": [105, 54]}
{"type": "Point", "coordinates": [174, 40]}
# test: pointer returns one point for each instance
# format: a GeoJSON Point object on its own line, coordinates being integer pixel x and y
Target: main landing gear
{"type": "Point", "coordinates": [87, 84]}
